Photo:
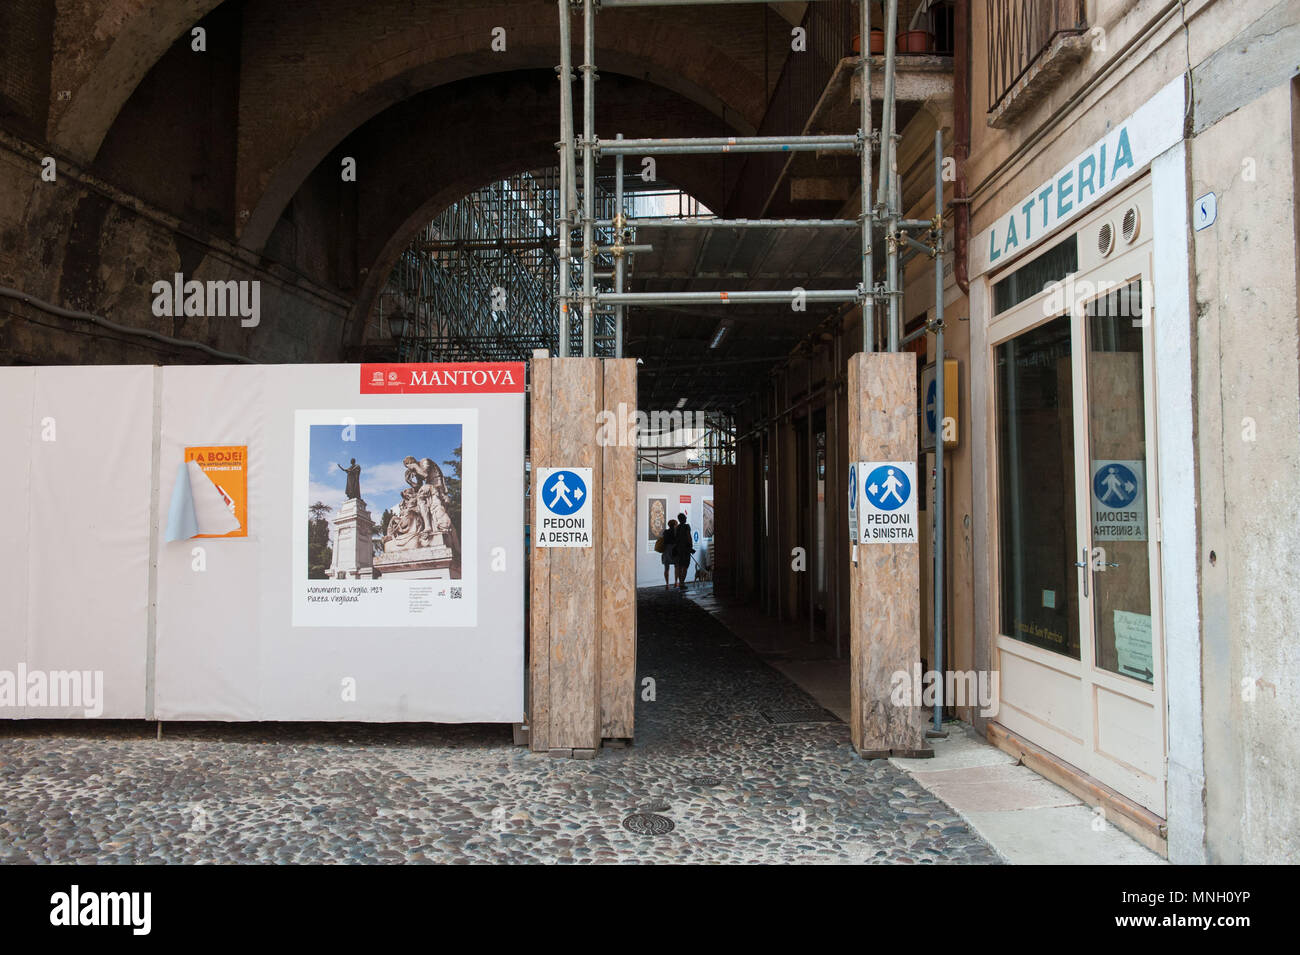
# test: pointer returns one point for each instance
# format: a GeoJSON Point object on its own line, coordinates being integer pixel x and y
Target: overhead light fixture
{"type": "Point", "coordinates": [397, 326]}
{"type": "Point", "coordinates": [724, 326]}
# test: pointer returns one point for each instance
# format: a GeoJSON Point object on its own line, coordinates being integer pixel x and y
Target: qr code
{"type": "Point", "coordinates": [455, 593]}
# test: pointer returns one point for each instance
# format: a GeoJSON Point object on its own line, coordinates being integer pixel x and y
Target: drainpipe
{"type": "Point", "coordinates": [961, 137]}
{"type": "Point", "coordinates": [939, 527]}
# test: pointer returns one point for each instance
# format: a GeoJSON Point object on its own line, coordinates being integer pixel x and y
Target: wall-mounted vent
{"type": "Point", "coordinates": [1105, 239]}
{"type": "Point", "coordinates": [1131, 224]}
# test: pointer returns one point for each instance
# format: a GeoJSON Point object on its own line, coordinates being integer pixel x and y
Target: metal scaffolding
{"type": "Point", "coordinates": [881, 214]}
{"type": "Point", "coordinates": [479, 282]}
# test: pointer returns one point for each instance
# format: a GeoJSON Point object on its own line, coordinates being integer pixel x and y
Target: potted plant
{"type": "Point", "coordinates": [877, 36]}
{"type": "Point", "coordinates": [915, 39]}
{"type": "Point", "coordinates": [877, 43]}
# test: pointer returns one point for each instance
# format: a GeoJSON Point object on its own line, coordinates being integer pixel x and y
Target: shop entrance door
{"type": "Point", "coordinates": [1079, 637]}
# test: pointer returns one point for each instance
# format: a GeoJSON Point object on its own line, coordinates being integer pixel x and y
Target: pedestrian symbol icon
{"type": "Point", "coordinates": [1114, 485]}
{"type": "Point", "coordinates": [564, 492]}
{"type": "Point", "coordinates": [1119, 506]}
{"type": "Point", "coordinates": [564, 516]}
{"type": "Point", "coordinates": [888, 487]}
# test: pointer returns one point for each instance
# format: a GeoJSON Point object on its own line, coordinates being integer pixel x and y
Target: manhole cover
{"type": "Point", "coordinates": [705, 781]}
{"type": "Point", "coordinates": [648, 824]}
{"type": "Point", "coordinates": [812, 715]}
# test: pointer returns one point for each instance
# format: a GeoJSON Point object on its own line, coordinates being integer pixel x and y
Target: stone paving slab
{"type": "Point", "coordinates": [215, 793]}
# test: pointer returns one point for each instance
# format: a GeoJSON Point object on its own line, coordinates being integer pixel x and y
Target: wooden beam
{"type": "Point", "coordinates": [539, 614]}
{"type": "Point", "coordinates": [617, 564]}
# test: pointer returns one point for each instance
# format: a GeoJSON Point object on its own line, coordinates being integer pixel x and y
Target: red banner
{"type": "Point", "coordinates": [443, 378]}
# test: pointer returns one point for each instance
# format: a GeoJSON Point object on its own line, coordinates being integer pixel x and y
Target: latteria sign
{"type": "Point", "coordinates": [1097, 171]}
{"type": "Point", "coordinates": [564, 507]}
{"type": "Point", "coordinates": [887, 503]}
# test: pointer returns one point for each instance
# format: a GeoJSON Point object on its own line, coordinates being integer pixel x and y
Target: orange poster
{"type": "Point", "coordinates": [226, 467]}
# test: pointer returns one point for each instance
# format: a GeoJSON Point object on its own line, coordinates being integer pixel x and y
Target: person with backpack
{"type": "Point", "coordinates": [683, 548]}
{"type": "Point", "coordinates": [665, 547]}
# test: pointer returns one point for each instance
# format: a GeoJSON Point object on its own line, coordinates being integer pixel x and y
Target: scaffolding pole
{"type": "Point", "coordinates": [889, 172]}
{"type": "Point", "coordinates": [708, 223]}
{"type": "Point", "coordinates": [940, 381]}
{"type": "Point", "coordinates": [620, 224]}
{"type": "Point", "coordinates": [776, 296]}
{"type": "Point", "coordinates": [567, 186]}
{"type": "Point", "coordinates": [866, 217]}
{"type": "Point", "coordinates": [588, 177]}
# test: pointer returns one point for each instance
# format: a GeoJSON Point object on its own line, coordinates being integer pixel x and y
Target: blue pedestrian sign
{"type": "Point", "coordinates": [564, 507]}
{"type": "Point", "coordinates": [1119, 504]}
{"type": "Point", "coordinates": [563, 492]}
{"type": "Point", "coordinates": [887, 508]}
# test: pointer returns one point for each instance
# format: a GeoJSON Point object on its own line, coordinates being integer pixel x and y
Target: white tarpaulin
{"type": "Point", "coordinates": [74, 569]}
{"type": "Point", "coordinates": [439, 633]}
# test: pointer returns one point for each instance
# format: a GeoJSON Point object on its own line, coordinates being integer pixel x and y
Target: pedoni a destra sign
{"type": "Point", "coordinates": [443, 378]}
{"type": "Point", "coordinates": [1109, 162]}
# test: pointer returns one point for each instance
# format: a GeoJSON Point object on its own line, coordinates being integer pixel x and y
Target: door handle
{"type": "Point", "coordinates": [1083, 565]}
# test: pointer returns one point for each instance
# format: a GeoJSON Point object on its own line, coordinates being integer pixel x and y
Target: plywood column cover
{"type": "Point", "coordinates": [566, 611]}
{"type": "Point", "coordinates": [885, 593]}
{"type": "Point", "coordinates": [617, 562]}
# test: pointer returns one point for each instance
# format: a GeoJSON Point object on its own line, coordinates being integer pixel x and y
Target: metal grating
{"type": "Point", "coordinates": [648, 824]}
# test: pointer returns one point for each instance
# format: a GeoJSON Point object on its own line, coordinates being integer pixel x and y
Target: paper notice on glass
{"type": "Point", "coordinates": [1133, 644]}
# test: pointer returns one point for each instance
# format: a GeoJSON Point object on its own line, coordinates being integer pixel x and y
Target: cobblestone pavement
{"type": "Point", "coordinates": [111, 793]}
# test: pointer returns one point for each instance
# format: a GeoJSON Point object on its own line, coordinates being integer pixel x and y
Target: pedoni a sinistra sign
{"type": "Point", "coordinates": [1129, 146]}
{"type": "Point", "coordinates": [444, 378]}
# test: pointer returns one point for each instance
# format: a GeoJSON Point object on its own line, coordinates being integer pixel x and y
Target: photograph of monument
{"type": "Point", "coordinates": [385, 502]}
{"type": "Point", "coordinates": [657, 508]}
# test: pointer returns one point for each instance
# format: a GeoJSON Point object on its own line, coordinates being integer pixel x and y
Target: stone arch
{"type": "Point", "coordinates": [102, 52]}
{"type": "Point", "coordinates": [392, 215]}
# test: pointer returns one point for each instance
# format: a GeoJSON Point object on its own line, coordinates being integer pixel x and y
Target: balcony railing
{"type": "Point", "coordinates": [1019, 32]}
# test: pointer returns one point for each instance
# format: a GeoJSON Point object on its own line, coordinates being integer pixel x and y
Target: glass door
{"type": "Point", "coordinates": [1079, 641]}
{"type": "Point", "coordinates": [1119, 577]}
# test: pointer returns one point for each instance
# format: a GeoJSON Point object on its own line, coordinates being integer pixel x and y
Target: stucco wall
{"type": "Point", "coordinates": [1249, 454]}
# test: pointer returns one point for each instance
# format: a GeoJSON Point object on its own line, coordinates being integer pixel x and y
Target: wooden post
{"type": "Point", "coordinates": [539, 603]}
{"type": "Point", "coordinates": [617, 563]}
{"type": "Point", "coordinates": [583, 599]}
{"type": "Point", "coordinates": [885, 591]}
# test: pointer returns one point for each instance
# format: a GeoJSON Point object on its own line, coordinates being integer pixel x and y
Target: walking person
{"type": "Point", "coordinates": [683, 547]}
{"type": "Point", "coordinates": [665, 549]}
